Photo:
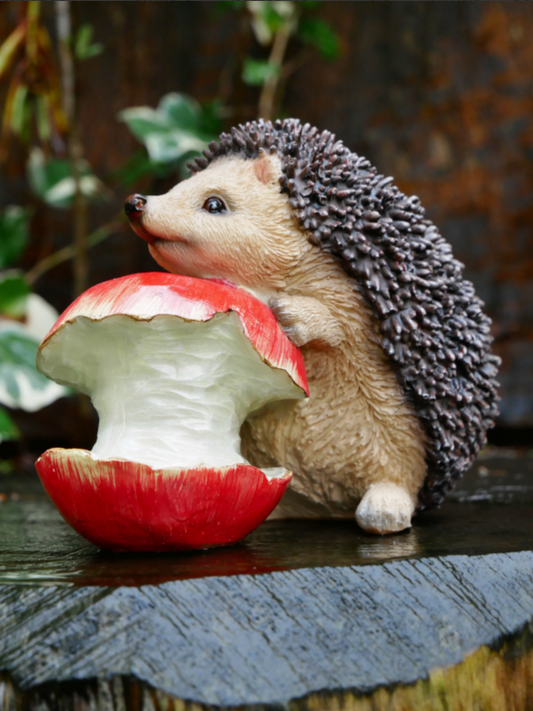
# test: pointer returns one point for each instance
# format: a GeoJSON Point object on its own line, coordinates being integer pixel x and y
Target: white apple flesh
{"type": "Point", "coordinates": [168, 392]}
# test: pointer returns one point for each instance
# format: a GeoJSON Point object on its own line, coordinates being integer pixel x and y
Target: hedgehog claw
{"type": "Point", "coordinates": [288, 319]}
{"type": "Point", "coordinates": [295, 334]}
{"type": "Point", "coordinates": [304, 319]}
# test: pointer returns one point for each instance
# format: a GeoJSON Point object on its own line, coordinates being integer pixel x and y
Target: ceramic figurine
{"type": "Point", "coordinates": [395, 342]}
{"type": "Point", "coordinates": [173, 366]}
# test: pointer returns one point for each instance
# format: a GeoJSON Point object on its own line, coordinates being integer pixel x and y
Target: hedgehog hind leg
{"type": "Point", "coordinates": [386, 507]}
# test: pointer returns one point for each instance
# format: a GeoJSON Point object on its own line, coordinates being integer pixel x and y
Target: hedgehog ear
{"type": "Point", "coordinates": [263, 169]}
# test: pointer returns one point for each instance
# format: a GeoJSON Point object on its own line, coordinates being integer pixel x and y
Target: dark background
{"type": "Point", "coordinates": [437, 94]}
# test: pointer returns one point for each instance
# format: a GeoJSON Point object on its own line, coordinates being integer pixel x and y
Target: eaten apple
{"type": "Point", "coordinates": [173, 366]}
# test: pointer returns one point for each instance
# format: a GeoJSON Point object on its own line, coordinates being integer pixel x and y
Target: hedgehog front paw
{"type": "Point", "coordinates": [385, 508]}
{"type": "Point", "coordinates": [288, 320]}
{"type": "Point", "coordinates": [304, 319]}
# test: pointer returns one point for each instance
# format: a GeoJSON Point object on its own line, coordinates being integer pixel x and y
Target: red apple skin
{"type": "Point", "coordinates": [125, 506]}
{"type": "Point", "coordinates": [146, 295]}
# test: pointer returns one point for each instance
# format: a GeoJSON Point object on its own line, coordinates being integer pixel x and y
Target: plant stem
{"type": "Point", "coordinates": [81, 261]}
{"type": "Point", "coordinates": [68, 252]}
{"type": "Point", "coordinates": [32, 18]}
{"type": "Point", "coordinates": [275, 60]}
{"type": "Point", "coordinates": [74, 147]}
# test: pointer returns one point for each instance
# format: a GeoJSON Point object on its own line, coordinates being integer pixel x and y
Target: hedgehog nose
{"type": "Point", "coordinates": [135, 206]}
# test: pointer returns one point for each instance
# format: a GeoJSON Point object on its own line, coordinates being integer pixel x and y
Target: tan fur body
{"type": "Point", "coordinates": [356, 435]}
{"type": "Point", "coordinates": [356, 428]}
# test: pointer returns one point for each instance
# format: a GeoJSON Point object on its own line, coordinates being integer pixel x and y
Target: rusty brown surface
{"type": "Point", "coordinates": [438, 95]}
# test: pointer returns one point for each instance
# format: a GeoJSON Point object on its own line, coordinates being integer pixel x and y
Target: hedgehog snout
{"type": "Point", "coordinates": [135, 206]}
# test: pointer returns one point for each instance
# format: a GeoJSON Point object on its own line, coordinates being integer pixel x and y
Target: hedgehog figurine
{"type": "Point", "coordinates": [395, 342]}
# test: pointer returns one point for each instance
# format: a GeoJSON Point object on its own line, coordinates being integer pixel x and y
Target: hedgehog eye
{"type": "Point", "coordinates": [214, 205]}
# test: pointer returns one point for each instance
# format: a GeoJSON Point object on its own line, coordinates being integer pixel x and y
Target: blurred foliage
{"type": "Point", "coordinates": [36, 113]}
{"type": "Point", "coordinates": [8, 429]}
{"type": "Point", "coordinates": [256, 71]}
{"type": "Point", "coordinates": [84, 47]}
{"type": "Point", "coordinates": [17, 357]}
{"type": "Point", "coordinates": [52, 180]}
{"type": "Point", "coordinates": [34, 92]}
{"type": "Point", "coordinates": [319, 34]}
{"type": "Point", "coordinates": [297, 19]}
{"type": "Point", "coordinates": [267, 18]}
{"type": "Point", "coordinates": [14, 233]}
{"type": "Point", "coordinates": [285, 29]}
{"type": "Point", "coordinates": [13, 294]}
{"type": "Point", "coordinates": [21, 385]}
{"type": "Point", "coordinates": [173, 133]}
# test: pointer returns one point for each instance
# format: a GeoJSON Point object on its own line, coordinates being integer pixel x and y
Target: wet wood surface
{"type": "Point", "coordinates": [37, 546]}
{"type": "Point", "coordinates": [302, 614]}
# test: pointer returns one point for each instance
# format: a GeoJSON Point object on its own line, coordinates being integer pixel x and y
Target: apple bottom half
{"type": "Point", "coordinates": [126, 506]}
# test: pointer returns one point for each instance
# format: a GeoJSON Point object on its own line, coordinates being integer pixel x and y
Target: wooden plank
{"type": "Point", "coordinates": [270, 638]}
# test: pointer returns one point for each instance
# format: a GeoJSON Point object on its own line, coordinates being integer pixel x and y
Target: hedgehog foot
{"type": "Point", "coordinates": [385, 508]}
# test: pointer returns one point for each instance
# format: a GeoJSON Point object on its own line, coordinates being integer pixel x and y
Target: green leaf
{"type": "Point", "coordinates": [42, 173]}
{"type": "Point", "coordinates": [178, 127]}
{"type": "Point", "coordinates": [14, 223]}
{"type": "Point", "coordinates": [175, 111]}
{"type": "Point", "coordinates": [13, 294]}
{"type": "Point", "coordinates": [321, 35]}
{"type": "Point", "coordinates": [143, 121]}
{"type": "Point", "coordinates": [267, 18]}
{"type": "Point", "coordinates": [260, 26]}
{"type": "Point", "coordinates": [84, 48]}
{"type": "Point", "coordinates": [171, 146]}
{"type": "Point", "coordinates": [183, 111]}
{"type": "Point", "coordinates": [8, 429]}
{"type": "Point", "coordinates": [21, 384]}
{"type": "Point", "coordinates": [42, 118]}
{"type": "Point", "coordinates": [52, 180]}
{"type": "Point", "coordinates": [19, 103]}
{"type": "Point", "coordinates": [275, 14]}
{"type": "Point", "coordinates": [256, 72]}
{"type": "Point", "coordinates": [17, 348]}
{"type": "Point", "coordinates": [10, 46]}
{"type": "Point", "coordinates": [7, 378]}
{"type": "Point", "coordinates": [62, 193]}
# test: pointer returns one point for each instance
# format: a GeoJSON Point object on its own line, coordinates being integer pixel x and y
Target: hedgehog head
{"type": "Point", "coordinates": [211, 226]}
{"type": "Point", "coordinates": [432, 324]}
